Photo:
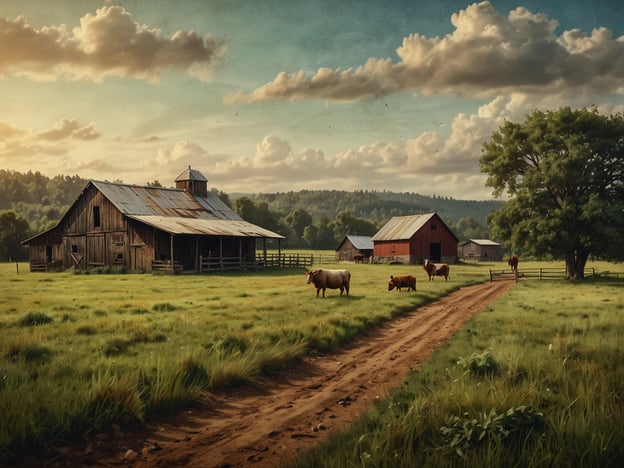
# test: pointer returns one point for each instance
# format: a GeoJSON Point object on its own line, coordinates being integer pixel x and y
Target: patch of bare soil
{"type": "Point", "coordinates": [270, 424]}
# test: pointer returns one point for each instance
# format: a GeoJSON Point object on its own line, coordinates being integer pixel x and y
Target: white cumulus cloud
{"type": "Point", "coordinates": [486, 55]}
{"type": "Point", "coordinates": [107, 43]}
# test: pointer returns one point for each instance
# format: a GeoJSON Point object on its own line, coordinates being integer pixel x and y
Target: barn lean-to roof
{"type": "Point", "coordinates": [405, 227]}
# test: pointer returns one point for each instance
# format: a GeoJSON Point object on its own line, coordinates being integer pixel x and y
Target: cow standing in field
{"type": "Point", "coordinates": [329, 279]}
{"type": "Point", "coordinates": [513, 263]}
{"type": "Point", "coordinates": [402, 281]}
{"type": "Point", "coordinates": [436, 269]}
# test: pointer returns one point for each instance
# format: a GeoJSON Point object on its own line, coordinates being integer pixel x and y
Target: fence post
{"type": "Point", "coordinates": [490, 275]}
{"type": "Point", "coordinates": [540, 273]}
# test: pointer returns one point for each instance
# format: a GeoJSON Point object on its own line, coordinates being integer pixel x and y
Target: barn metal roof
{"type": "Point", "coordinates": [361, 242]}
{"type": "Point", "coordinates": [178, 212]}
{"type": "Point", "coordinates": [402, 227]}
{"type": "Point", "coordinates": [191, 174]}
{"type": "Point", "coordinates": [157, 201]}
{"type": "Point", "coordinates": [481, 242]}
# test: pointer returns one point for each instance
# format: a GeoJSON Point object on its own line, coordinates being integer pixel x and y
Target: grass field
{"type": "Point", "coordinates": [536, 381]}
{"type": "Point", "coordinates": [81, 351]}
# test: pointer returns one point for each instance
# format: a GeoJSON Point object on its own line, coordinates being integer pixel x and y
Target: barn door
{"type": "Point", "coordinates": [435, 251]}
{"type": "Point", "coordinates": [96, 252]}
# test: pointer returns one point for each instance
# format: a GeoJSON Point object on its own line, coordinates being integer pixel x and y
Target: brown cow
{"type": "Point", "coordinates": [436, 269]}
{"type": "Point", "coordinates": [402, 281]}
{"type": "Point", "coordinates": [329, 279]}
{"type": "Point", "coordinates": [513, 263]}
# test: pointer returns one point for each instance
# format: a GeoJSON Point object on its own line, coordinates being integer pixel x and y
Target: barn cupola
{"type": "Point", "coordinates": [193, 182]}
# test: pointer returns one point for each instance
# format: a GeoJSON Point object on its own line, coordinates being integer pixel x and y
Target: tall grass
{"type": "Point", "coordinates": [79, 353]}
{"type": "Point", "coordinates": [536, 381]}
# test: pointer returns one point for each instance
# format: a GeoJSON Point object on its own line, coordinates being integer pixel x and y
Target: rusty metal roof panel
{"type": "Point", "coordinates": [402, 227]}
{"type": "Point", "coordinates": [157, 201]}
{"type": "Point", "coordinates": [211, 227]}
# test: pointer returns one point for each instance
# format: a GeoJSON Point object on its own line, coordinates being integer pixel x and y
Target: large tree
{"type": "Point", "coordinates": [562, 171]}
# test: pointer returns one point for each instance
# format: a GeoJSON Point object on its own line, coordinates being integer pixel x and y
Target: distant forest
{"type": "Point", "coordinates": [308, 218]}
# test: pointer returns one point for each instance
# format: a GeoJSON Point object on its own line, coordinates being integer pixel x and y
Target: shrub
{"type": "Point", "coordinates": [116, 346]}
{"type": "Point", "coordinates": [164, 307]}
{"type": "Point", "coordinates": [36, 352]}
{"type": "Point", "coordinates": [479, 364]}
{"type": "Point", "coordinates": [86, 330]}
{"type": "Point", "coordinates": [32, 319]}
{"type": "Point", "coordinates": [463, 433]}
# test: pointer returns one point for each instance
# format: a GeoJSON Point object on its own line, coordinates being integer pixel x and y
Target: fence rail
{"type": "Point", "coordinates": [213, 264]}
{"type": "Point", "coordinates": [535, 273]}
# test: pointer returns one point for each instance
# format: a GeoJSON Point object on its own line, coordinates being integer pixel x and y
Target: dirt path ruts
{"type": "Point", "coordinates": [269, 425]}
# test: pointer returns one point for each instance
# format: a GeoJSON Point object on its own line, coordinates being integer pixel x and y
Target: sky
{"type": "Point", "coordinates": [285, 95]}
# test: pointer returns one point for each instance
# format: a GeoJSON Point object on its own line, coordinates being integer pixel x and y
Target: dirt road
{"type": "Point", "coordinates": [269, 425]}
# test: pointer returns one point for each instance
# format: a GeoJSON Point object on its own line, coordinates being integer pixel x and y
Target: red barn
{"type": "Point", "coordinates": [411, 239]}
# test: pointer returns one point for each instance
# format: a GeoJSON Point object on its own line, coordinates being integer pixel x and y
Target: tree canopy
{"type": "Point", "coordinates": [316, 219]}
{"type": "Point", "coordinates": [563, 171]}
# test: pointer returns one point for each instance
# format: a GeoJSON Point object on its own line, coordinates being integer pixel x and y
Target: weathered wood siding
{"type": "Point", "coordinates": [472, 251]}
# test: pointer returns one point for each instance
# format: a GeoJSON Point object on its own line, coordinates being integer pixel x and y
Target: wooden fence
{"type": "Point", "coordinates": [535, 273]}
{"type": "Point", "coordinates": [212, 264]}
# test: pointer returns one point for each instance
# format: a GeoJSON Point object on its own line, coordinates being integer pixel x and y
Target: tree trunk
{"type": "Point", "coordinates": [575, 264]}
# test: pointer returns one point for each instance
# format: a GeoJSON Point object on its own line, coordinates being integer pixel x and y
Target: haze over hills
{"type": "Point", "coordinates": [375, 206]}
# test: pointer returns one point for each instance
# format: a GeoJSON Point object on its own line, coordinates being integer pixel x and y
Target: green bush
{"type": "Point", "coordinates": [479, 364]}
{"type": "Point", "coordinates": [465, 432]}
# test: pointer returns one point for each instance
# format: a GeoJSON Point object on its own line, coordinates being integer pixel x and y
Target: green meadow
{"type": "Point", "coordinates": [534, 381]}
{"type": "Point", "coordinates": [79, 352]}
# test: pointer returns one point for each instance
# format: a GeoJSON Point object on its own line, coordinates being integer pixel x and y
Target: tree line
{"type": "Point", "coordinates": [31, 203]}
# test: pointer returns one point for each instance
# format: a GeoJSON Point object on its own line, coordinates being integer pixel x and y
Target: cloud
{"type": "Point", "coordinates": [107, 43]}
{"type": "Point", "coordinates": [429, 164]}
{"type": "Point", "coordinates": [68, 129]}
{"type": "Point", "coordinates": [59, 140]}
{"type": "Point", "coordinates": [486, 55]}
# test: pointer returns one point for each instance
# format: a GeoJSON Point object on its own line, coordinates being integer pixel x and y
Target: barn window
{"type": "Point", "coordinates": [96, 216]}
{"type": "Point", "coordinates": [74, 248]}
{"type": "Point", "coordinates": [434, 226]}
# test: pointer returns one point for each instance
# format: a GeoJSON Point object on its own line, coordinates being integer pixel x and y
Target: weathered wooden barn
{"type": "Point", "coordinates": [480, 250]}
{"type": "Point", "coordinates": [411, 239]}
{"type": "Point", "coordinates": [355, 248]}
{"type": "Point", "coordinates": [147, 229]}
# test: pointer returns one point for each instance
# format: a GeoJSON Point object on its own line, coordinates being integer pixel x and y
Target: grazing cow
{"type": "Point", "coordinates": [329, 279]}
{"type": "Point", "coordinates": [402, 281]}
{"type": "Point", "coordinates": [436, 269]}
{"type": "Point", "coordinates": [513, 263]}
